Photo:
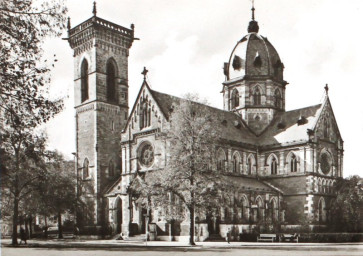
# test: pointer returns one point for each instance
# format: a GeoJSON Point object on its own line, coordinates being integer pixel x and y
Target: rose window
{"type": "Point", "coordinates": [147, 155]}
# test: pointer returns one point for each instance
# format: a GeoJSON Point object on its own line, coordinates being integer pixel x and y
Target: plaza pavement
{"type": "Point", "coordinates": [131, 248]}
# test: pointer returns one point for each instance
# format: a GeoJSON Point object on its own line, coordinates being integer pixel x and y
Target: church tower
{"type": "Point", "coordinates": [254, 86]}
{"type": "Point", "coordinates": [101, 51]}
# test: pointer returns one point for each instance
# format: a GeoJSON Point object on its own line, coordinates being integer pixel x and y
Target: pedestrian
{"type": "Point", "coordinates": [22, 235]}
{"type": "Point", "coordinates": [76, 232]}
{"type": "Point", "coordinates": [229, 236]}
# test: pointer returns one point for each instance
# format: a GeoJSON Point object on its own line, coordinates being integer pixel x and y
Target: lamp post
{"type": "Point", "coordinates": [77, 192]}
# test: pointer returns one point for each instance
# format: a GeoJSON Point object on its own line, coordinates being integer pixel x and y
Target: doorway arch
{"type": "Point", "coordinates": [118, 215]}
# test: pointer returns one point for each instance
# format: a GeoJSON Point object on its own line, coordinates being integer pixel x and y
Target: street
{"type": "Point", "coordinates": [107, 248]}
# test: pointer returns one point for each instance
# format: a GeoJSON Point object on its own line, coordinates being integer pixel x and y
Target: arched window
{"type": "Point", "coordinates": [326, 128]}
{"type": "Point", "coordinates": [236, 162]}
{"type": "Point", "coordinates": [235, 99]}
{"type": "Point", "coordinates": [85, 168]}
{"type": "Point", "coordinates": [144, 113]}
{"type": "Point", "coordinates": [84, 80]}
{"type": "Point", "coordinates": [260, 209]}
{"type": "Point", "coordinates": [257, 97]}
{"type": "Point", "coordinates": [111, 169]}
{"type": "Point", "coordinates": [293, 163]}
{"type": "Point", "coordinates": [278, 100]}
{"type": "Point", "coordinates": [221, 160]}
{"type": "Point", "coordinates": [111, 81]}
{"type": "Point", "coordinates": [273, 165]}
{"type": "Point", "coordinates": [320, 186]}
{"type": "Point", "coordinates": [325, 163]}
{"type": "Point", "coordinates": [250, 163]}
{"type": "Point", "coordinates": [244, 204]}
{"type": "Point", "coordinates": [274, 210]}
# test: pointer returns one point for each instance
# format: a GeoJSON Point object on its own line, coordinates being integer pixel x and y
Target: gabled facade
{"type": "Point", "coordinates": [285, 163]}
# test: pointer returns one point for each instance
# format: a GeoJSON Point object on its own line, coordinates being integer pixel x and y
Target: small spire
{"type": "Point", "coordinates": [94, 11]}
{"type": "Point", "coordinates": [144, 73]}
{"type": "Point", "coordinates": [253, 9]}
{"type": "Point", "coordinates": [69, 23]}
{"type": "Point", "coordinates": [253, 25]}
{"type": "Point", "coordinates": [326, 89]}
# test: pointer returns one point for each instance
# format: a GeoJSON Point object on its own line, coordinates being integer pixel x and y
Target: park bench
{"type": "Point", "coordinates": [289, 238]}
{"type": "Point", "coordinates": [266, 238]}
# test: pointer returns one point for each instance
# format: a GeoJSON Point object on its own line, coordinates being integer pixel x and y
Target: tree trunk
{"type": "Point", "coordinates": [30, 226]}
{"type": "Point", "coordinates": [60, 231]}
{"type": "Point", "coordinates": [45, 227]}
{"type": "Point", "coordinates": [191, 228]}
{"type": "Point", "coordinates": [15, 221]}
{"type": "Point", "coordinates": [26, 222]}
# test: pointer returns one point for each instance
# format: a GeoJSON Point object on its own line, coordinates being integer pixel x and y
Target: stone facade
{"type": "Point", "coordinates": [285, 162]}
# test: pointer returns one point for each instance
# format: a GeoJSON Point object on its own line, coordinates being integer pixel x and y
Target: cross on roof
{"type": "Point", "coordinates": [144, 73]}
{"type": "Point", "coordinates": [326, 89]}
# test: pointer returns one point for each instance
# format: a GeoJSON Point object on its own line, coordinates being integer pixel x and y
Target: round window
{"type": "Point", "coordinates": [146, 156]}
{"type": "Point", "coordinates": [325, 163]}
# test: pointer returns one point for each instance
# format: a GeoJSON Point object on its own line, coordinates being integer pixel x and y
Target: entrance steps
{"type": "Point", "coordinates": [136, 238]}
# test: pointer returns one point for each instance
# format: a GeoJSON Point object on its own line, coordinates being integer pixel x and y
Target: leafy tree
{"type": "Point", "coordinates": [190, 174]}
{"type": "Point", "coordinates": [22, 160]}
{"type": "Point", "coordinates": [24, 78]}
{"type": "Point", "coordinates": [56, 190]}
{"type": "Point", "coordinates": [347, 208]}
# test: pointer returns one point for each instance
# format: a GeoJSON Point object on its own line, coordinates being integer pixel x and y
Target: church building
{"type": "Point", "coordinates": [285, 163]}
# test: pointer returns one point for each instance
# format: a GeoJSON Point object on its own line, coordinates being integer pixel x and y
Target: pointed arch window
{"type": "Point", "coordinates": [326, 128]}
{"type": "Point", "coordinates": [111, 169]}
{"type": "Point", "coordinates": [293, 163]}
{"type": "Point", "coordinates": [85, 173]}
{"type": "Point", "coordinates": [84, 80]}
{"type": "Point", "coordinates": [250, 163]}
{"type": "Point", "coordinates": [236, 162]}
{"type": "Point", "coordinates": [257, 97]}
{"type": "Point", "coordinates": [221, 160]}
{"type": "Point", "coordinates": [244, 213]}
{"type": "Point", "coordinates": [144, 113]}
{"type": "Point", "coordinates": [273, 165]}
{"type": "Point", "coordinates": [278, 99]}
{"type": "Point", "coordinates": [111, 81]}
{"type": "Point", "coordinates": [235, 99]}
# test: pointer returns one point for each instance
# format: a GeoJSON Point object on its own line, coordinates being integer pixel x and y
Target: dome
{"type": "Point", "coordinates": [254, 56]}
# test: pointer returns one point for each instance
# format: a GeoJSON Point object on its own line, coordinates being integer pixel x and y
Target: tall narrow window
{"type": "Point", "coordinates": [249, 165]}
{"type": "Point", "coordinates": [85, 168]}
{"type": "Point", "coordinates": [278, 101]}
{"type": "Point", "coordinates": [293, 163]}
{"type": "Point", "coordinates": [257, 97]}
{"type": "Point", "coordinates": [111, 169]}
{"type": "Point", "coordinates": [235, 99]}
{"type": "Point", "coordinates": [236, 163]}
{"type": "Point", "coordinates": [273, 166]}
{"type": "Point", "coordinates": [221, 159]}
{"type": "Point", "coordinates": [144, 113]}
{"type": "Point", "coordinates": [326, 128]}
{"type": "Point", "coordinates": [84, 80]}
{"type": "Point", "coordinates": [111, 81]}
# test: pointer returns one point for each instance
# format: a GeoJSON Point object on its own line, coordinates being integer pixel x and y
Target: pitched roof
{"type": "Point", "coordinates": [248, 183]}
{"type": "Point", "coordinates": [290, 126]}
{"type": "Point", "coordinates": [231, 125]}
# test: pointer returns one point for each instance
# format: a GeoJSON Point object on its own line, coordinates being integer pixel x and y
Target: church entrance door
{"type": "Point", "coordinates": [118, 215]}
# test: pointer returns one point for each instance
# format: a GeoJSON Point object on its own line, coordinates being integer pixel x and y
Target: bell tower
{"type": "Point", "coordinates": [101, 50]}
{"type": "Point", "coordinates": [254, 87]}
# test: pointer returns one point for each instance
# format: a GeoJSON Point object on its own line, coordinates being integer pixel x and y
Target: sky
{"type": "Point", "coordinates": [184, 43]}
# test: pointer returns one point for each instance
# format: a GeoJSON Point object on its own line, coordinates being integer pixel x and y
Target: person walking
{"type": "Point", "coordinates": [229, 236]}
{"type": "Point", "coordinates": [22, 235]}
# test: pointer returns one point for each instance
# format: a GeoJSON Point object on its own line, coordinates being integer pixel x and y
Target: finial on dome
{"type": "Point", "coordinates": [253, 25]}
{"type": "Point", "coordinates": [253, 9]}
{"type": "Point", "coordinates": [94, 11]}
{"type": "Point", "coordinates": [69, 23]}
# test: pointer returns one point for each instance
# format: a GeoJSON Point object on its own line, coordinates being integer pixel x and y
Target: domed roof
{"type": "Point", "coordinates": [253, 56]}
